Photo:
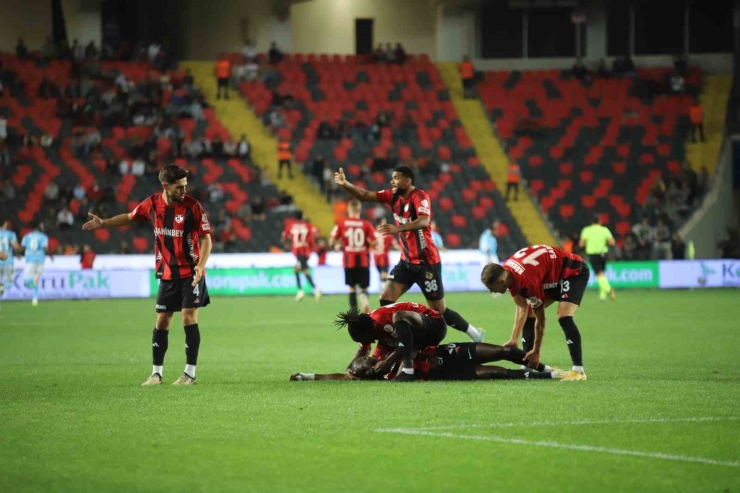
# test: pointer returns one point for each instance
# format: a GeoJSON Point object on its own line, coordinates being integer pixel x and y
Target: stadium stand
{"type": "Point", "coordinates": [52, 110]}
{"type": "Point", "coordinates": [367, 117]}
{"type": "Point", "coordinates": [591, 147]}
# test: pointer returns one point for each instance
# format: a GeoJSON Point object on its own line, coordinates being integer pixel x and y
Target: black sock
{"type": "Point", "coordinates": [573, 339]}
{"type": "Point", "coordinates": [192, 344]}
{"type": "Point", "coordinates": [298, 280]}
{"type": "Point", "coordinates": [405, 342]}
{"type": "Point", "coordinates": [455, 320]}
{"type": "Point", "coordinates": [353, 300]}
{"type": "Point", "coordinates": [386, 302]}
{"type": "Point", "coordinates": [526, 374]}
{"type": "Point", "coordinates": [160, 341]}
{"type": "Point", "coordinates": [528, 335]}
{"type": "Point", "coordinates": [310, 281]}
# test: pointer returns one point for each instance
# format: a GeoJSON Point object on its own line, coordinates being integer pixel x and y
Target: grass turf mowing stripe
{"type": "Point", "coordinates": [582, 422]}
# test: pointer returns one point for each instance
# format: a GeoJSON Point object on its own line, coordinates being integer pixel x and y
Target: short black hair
{"type": "Point", "coordinates": [360, 325]}
{"type": "Point", "coordinates": [172, 173]}
{"type": "Point", "coordinates": [298, 215]}
{"type": "Point", "coordinates": [490, 273]}
{"type": "Point", "coordinates": [597, 218]}
{"type": "Point", "coordinates": [405, 171]}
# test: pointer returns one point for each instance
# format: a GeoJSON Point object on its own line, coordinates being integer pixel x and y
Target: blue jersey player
{"type": "Point", "coordinates": [35, 248]}
{"type": "Point", "coordinates": [8, 246]}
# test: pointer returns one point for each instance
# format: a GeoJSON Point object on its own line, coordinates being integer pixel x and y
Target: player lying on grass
{"type": "Point", "coordinates": [407, 327]}
{"type": "Point", "coordinates": [460, 361]}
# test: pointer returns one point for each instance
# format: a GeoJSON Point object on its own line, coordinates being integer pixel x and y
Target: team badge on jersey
{"type": "Point", "coordinates": [536, 302]}
{"type": "Point", "coordinates": [429, 275]}
{"type": "Point", "coordinates": [179, 218]}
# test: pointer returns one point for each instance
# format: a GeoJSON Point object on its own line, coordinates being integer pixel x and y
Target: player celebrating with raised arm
{"type": "Point", "coordinates": [300, 235]}
{"type": "Point", "coordinates": [182, 247]}
{"type": "Point", "coordinates": [537, 276]}
{"type": "Point", "coordinates": [420, 262]}
{"type": "Point", "coordinates": [8, 245]}
{"type": "Point", "coordinates": [597, 239]}
{"type": "Point", "coordinates": [356, 236]}
{"type": "Point", "coordinates": [35, 246]}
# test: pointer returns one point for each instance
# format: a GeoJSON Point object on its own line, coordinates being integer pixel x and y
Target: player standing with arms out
{"type": "Point", "coordinates": [380, 254]}
{"type": "Point", "coordinates": [8, 245]}
{"type": "Point", "coordinates": [182, 245]}
{"type": "Point", "coordinates": [35, 249]}
{"type": "Point", "coordinates": [300, 234]}
{"type": "Point", "coordinates": [420, 263]}
{"type": "Point", "coordinates": [357, 237]}
{"type": "Point", "coordinates": [537, 276]}
{"type": "Point", "coordinates": [597, 239]}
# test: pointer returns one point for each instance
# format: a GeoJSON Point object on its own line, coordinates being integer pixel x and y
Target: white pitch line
{"type": "Point", "coordinates": [567, 446]}
{"type": "Point", "coordinates": [583, 422]}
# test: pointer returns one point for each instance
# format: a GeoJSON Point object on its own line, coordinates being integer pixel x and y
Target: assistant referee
{"type": "Point", "coordinates": [597, 239]}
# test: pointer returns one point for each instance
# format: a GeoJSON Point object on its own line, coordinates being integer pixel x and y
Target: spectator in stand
{"type": "Point", "coordinates": [390, 53]}
{"type": "Point", "coordinates": [678, 248]}
{"type": "Point", "coordinates": [153, 51]}
{"type": "Point", "coordinates": [325, 131]}
{"type": "Point", "coordinates": [95, 194]}
{"type": "Point", "coordinates": [111, 168]}
{"type": "Point", "coordinates": [78, 51]}
{"type": "Point", "coordinates": [65, 218]}
{"type": "Point", "coordinates": [215, 193]}
{"type": "Point", "coordinates": [729, 246]}
{"type": "Point", "coordinates": [602, 70]}
{"type": "Point", "coordinates": [379, 54]}
{"type": "Point", "coordinates": [91, 51]}
{"type": "Point", "coordinates": [228, 239]}
{"type": "Point", "coordinates": [87, 258]}
{"type": "Point", "coordinates": [49, 50]}
{"type": "Point", "coordinates": [275, 55]}
{"type": "Point", "coordinates": [21, 50]}
{"type": "Point", "coordinates": [467, 74]}
{"type": "Point", "coordinates": [317, 171]}
{"type": "Point", "coordinates": [7, 191]}
{"type": "Point", "coordinates": [696, 115]}
{"type": "Point", "coordinates": [259, 209]}
{"type": "Point", "coordinates": [629, 248]}
{"type": "Point", "coordinates": [513, 178]}
{"type": "Point", "coordinates": [328, 180]}
{"type": "Point", "coordinates": [223, 74]}
{"type": "Point", "coordinates": [230, 148]}
{"type": "Point", "coordinates": [217, 147]}
{"type": "Point", "coordinates": [285, 159]}
{"type": "Point", "coordinates": [488, 243]}
{"type": "Point", "coordinates": [242, 148]}
{"type": "Point", "coordinates": [681, 64]}
{"type": "Point", "coordinates": [79, 192]}
{"type": "Point", "coordinates": [662, 241]}
{"type": "Point", "coordinates": [4, 156]}
{"type": "Point", "coordinates": [47, 90]}
{"type": "Point", "coordinates": [645, 235]}
{"type": "Point", "coordinates": [580, 71]}
{"type": "Point", "coordinates": [138, 167]}
{"type": "Point", "coordinates": [3, 127]}
{"type": "Point", "coordinates": [188, 80]}
{"type": "Point", "coordinates": [677, 83]}
{"type": "Point", "coordinates": [400, 53]}
{"type": "Point", "coordinates": [46, 140]}
{"type": "Point", "coordinates": [51, 192]}
{"type": "Point", "coordinates": [249, 51]}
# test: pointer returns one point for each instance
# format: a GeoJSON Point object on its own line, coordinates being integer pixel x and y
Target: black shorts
{"type": "Point", "coordinates": [223, 82]}
{"type": "Point", "coordinates": [175, 295]}
{"type": "Point", "coordinates": [598, 263]}
{"type": "Point", "coordinates": [570, 289]}
{"type": "Point", "coordinates": [435, 331]}
{"type": "Point", "coordinates": [357, 276]}
{"type": "Point", "coordinates": [301, 262]}
{"type": "Point", "coordinates": [427, 277]}
{"type": "Point", "coordinates": [454, 362]}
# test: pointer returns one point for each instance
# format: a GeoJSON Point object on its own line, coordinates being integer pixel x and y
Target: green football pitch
{"type": "Point", "coordinates": [660, 410]}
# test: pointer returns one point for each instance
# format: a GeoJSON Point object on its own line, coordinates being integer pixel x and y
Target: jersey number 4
{"type": "Point", "coordinates": [530, 259]}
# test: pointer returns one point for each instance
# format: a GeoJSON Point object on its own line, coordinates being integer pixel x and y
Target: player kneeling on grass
{"type": "Point", "coordinates": [182, 247]}
{"type": "Point", "coordinates": [408, 327]}
{"type": "Point", "coordinates": [459, 361]}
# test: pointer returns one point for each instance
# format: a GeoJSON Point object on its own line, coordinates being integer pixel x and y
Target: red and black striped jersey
{"type": "Point", "coordinates": [538, 268]}
{"type": "Point", "coordinates": [417, 247]}
{"type": "Point", "coordinates": [383, 316]}
{"type": "Point", "coordinates": [301, 236]}
{"type": "Point", "coordinates": [177, 229]}
{"type": "Point", "coordinates": [357, 236]}
{"type": "Point", "coordinates": [380, 254]}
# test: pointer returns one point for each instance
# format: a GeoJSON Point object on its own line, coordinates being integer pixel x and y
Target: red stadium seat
{"type": "Point", "coordinates": [453, 240]}
{"type": "Point", "coordinates": [446, 204]}
{"type": "Point", "coordinates": [141, 244]}
{"type": "Point", "coordinates": [459, 221]}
